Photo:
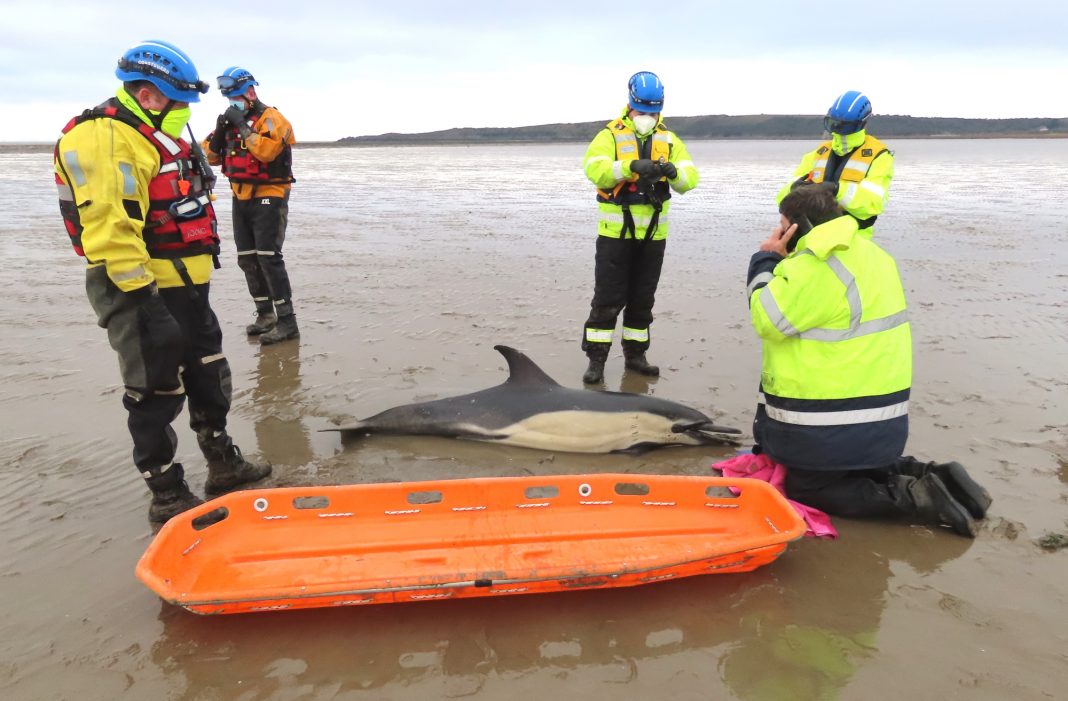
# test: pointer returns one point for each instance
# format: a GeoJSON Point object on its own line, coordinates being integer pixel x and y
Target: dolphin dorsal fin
{"type": "Point", "coordinates": [522, 369]}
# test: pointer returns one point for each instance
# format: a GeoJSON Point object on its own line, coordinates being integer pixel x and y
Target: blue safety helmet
{"type": "Point", "coordinates": [165, 66]}
{"type": "Point", "coordinates": [235, 81]}
{"type": "Point", "coordinates": [646, 92]}
{"type": "Point", "coordinates": [849, 113]}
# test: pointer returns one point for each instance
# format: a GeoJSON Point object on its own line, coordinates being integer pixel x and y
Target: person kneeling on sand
{"type": "Point", "coordinates": [837, 371]}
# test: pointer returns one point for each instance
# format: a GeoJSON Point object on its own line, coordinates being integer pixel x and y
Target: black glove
{"type": "Point", "coordinates": [645, 168]}
{"type": "Point", "coordinates": [217, 139]}
{"type": "Point", "coordinates": [831, 187]}
{"type": "Point", "coordinates": [800, 182]}
{"type": "Point", "coordinates": [237, 118]}
{"type": "Point", "coordinates": [669, 170]}
{"type": "Point", "coordinates": [161, 339]}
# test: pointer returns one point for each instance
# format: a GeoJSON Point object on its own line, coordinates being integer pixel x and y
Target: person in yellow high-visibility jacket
{"type": "Point", "coordinates": [135, 201]}
{"type": "Point", "coordinates": [857, 166]}
{"type": "Point", "coordinates": [829, 306]}
{"type": "Point", "coordinates": [635, 163]}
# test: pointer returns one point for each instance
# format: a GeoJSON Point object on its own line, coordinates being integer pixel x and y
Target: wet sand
{"type": "Point", "coordinates": [408, 265]}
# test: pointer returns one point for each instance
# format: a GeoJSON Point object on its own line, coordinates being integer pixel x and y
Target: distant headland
{"type": "Point", "coordinates": [758, 126]}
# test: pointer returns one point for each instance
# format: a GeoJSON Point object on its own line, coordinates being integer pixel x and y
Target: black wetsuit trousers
{"type": "Point", "coordinates": [259, 232]}
{"type": "Point", "coordinates": [626, 274]}
{"type": "Point", "coordinates": [850, 493]}
{"type": "Point", "coordinates": [161, 363]}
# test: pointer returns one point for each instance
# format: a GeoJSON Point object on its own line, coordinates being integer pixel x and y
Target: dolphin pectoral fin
{"type": "Point", "coordinates": [638, 449]}
{"type": "Point", "coordinates": [703, 427]}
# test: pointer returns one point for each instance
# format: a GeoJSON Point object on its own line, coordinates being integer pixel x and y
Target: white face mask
{"type": "Point", "coordinates": [644, 123]}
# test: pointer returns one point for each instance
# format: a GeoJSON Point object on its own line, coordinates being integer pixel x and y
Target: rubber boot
{"type": "Point", "coordinates": [594, 372]}
{"type": "Point", "coordinates": [265, 321]}
{"type": "Point", "coordinates": [284, 329]}
{"type": "Point", "coordinates": [960, 484]}
{"type": "Point", "coordinates": [227, 467]}
{"type": "Point", "coordinates": [170, 494]}
{"type": "Point", "coordinates": [639, 364]}
{"type": "Point", "coordinates": [931, 501]}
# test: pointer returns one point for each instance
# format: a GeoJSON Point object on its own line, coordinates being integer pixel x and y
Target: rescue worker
{"type": "Point", "coordinates": [634, 162]}
{"type": "Point", "coordinates": [134, 199]}
{"type": "Point", "coordinates": [254, 144]}
{"type": "Point", "coordinates": [857, 167]}
{"type": "Point", "coordinates": [837, 372]}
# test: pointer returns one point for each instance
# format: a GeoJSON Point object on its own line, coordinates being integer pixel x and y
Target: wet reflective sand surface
{"type": "Point", "coordinates": [408, 265]}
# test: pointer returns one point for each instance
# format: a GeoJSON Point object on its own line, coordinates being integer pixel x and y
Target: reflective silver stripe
{"type": "Point", "coordinates": [271, 253]}
{"type": "Point", "coordinates": [640, 335]}
{"type": "Point", "coordinates": [856, 312]}
{"type": "Point", "coordinates": [261, 299]}
{"type": "Point", "coordinates": [771, 308]}
{"type": "Point", "coordinates": [246, 253]}
{"type": "Point", "coordinates": [129, 187]}
{"type": "Point", "coordinates": [837, 418]}
{"type": "Point", "coordinates": [821, 164]}
{"type": "Point", "coordinates": [868, 327]}
{"type": "Point", "coordinates": [74, 167]}
{"type": "Point", "coordinates": [168, 167]}
{"type": "Point", "coordinates": [868, 185]}
{"type": "Point", "coordinates": [65, 193]}
{"type": "Point", "coordinates": [270, 124]}
{"type": "Point", "coordinates": [761, 279]}
{"type": "Point", "coordinates": [617, 170]}
{"type": "Point", "coordinates": [137, 272]}
{"type": "Point", "coordinates": [168, 143]}
{"type": "Point", "coordinates": [187, 206]}
{"type": "Point", "coordinates": [852, 294]}
{"type": "Point", "coordinates": [662, 136]}
{"type": "Point", "coordinates": [212, 358]}
{"type": "Point", "coordinates": [598, 335]}
{"type": "Point", "coordinates": [849, 196]}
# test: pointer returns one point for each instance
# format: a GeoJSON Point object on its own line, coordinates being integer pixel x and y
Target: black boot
{"type": "Point", "coordinates": [285, 329]}
{"type": "Point", "coordinates": [227, 467]}
{"type": "Point", "coordinates": [170, 494]}
{"type": "Point", "coordinates": [960, 484]}
{"type": "Point", "coordinates": [639, 364]}
{"type": "Point", "coordinates": [931, 502]}
{"type": "Point", "coordinates": [594, 372]}
{"type": "Point", "coordinates": [265, 321]}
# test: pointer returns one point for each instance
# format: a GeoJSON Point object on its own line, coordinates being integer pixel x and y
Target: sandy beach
{"type": "Point", "coordinates": [408, 265]}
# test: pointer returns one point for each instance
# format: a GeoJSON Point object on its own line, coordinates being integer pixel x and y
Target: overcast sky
{"type": "Point", "coordinates": [349, 68]}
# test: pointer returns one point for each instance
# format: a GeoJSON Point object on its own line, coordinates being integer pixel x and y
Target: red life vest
{"type": "Point", "coordinates": [181, 220]}
{"type": "Point", "coordinates": [240, 166]}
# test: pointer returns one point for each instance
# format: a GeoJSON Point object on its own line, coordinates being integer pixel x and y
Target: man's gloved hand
{"type": "Point", "coordinates": [237, 118]}
{"type": "Point", "coordinates": [161, 338]}
{"type": "Point", "coordinates": [831, 187]}
{"type": "Point", "coordinates": [669, 170]}
{"type": "Point", "coordinates": [645, 168]}
{"type": "Point", "coordinates": [800, 182]}
{"type": "Point", "coordinates": [217, 139]}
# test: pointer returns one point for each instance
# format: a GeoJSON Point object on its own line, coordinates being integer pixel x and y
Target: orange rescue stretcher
{"type": "Point", "coordinates": [306, 547]}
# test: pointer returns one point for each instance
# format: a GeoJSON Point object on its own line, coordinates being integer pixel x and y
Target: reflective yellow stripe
{"type": "Point", "coordinates": [599, 335]}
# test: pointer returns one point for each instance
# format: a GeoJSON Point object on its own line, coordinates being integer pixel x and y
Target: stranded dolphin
{"type": "Point", "coordinates": [531, 410]}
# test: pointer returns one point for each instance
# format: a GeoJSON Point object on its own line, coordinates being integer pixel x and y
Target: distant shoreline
{"type": "Point", "coordinates": [352, 142]}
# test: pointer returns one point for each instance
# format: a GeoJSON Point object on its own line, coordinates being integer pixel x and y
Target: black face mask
{"type": "Point", "coordinates": [803, 227]}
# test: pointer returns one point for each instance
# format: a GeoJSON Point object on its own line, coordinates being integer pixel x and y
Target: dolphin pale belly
{"type": "Point", "coordinates": [531, 410]}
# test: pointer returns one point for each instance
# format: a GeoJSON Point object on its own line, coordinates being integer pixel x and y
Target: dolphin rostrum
{"type": "Point", "coordinates": [531, 410]}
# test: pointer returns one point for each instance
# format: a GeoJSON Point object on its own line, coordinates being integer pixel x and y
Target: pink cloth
{"type": "Point", "coordinates": [763, 468]}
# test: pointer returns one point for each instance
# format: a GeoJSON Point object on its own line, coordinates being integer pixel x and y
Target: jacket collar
{"type": "Point", "coordinates": [829, 237]}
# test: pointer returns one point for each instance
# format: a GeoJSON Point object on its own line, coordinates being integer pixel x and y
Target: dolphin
{"type": "Point", "coordinates": [532, 410]}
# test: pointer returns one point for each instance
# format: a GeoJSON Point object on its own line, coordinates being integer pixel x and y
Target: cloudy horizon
{"type": "Point", "coordinates": [337, 69]}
